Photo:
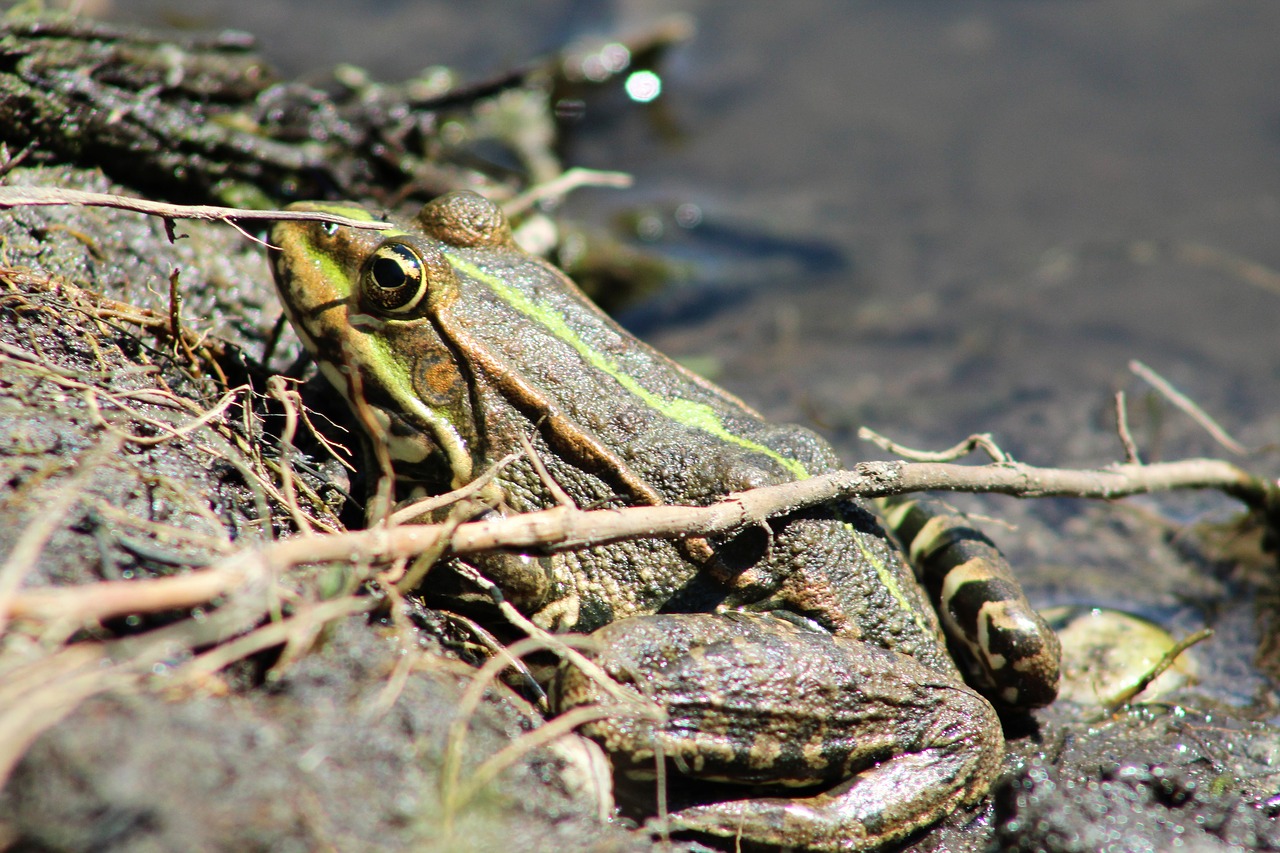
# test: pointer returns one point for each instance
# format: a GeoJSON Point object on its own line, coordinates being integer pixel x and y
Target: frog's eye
{"type": "Point", "coordinates": [395, 279]}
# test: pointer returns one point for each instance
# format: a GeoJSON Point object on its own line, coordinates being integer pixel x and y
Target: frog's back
{"type": "Point", "coordinates": [691, 439]}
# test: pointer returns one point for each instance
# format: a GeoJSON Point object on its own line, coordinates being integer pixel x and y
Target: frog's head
{"type": "Point", "coordinates": [372, 306]}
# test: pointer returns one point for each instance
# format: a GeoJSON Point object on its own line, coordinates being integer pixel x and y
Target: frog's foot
{"type": "Point", "coordinates": [876, 807]}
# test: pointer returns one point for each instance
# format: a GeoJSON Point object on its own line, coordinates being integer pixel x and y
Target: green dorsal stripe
{"type": "Point", "coordinates": [688, 413]}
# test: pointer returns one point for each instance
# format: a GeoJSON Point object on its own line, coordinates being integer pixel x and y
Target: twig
{"type": "Point", "coordinates": [1167, 660]}
{"type": "Point", "coordinates": [453, 794]}
{"type": "Point", "coordinates": [418, 509]}
{"type": "Point", "coordinates": [47, 196]}
{"type": "Point", "coordinates": [1187, 405]}
{"type": "Point", "coordinates": [298, 629]}
{"type": "Point", "coordinates": [983, 441]}
{"type": "Point", "coordinates": [1122, 428]}
{"type": "Point", "coordinates": [548, 640]}
{"type": "Point", "coordinates": [37, 534]}
{"type": "Point", "coordinates": [468, 704]}
{"type": "Point", "coordinates": [379, 508]}
{"type": "Point", "coordinates": [277, 386]}
{"type": "Point", "coordinates": [175, 306]}
{"type": "Point", "coordinates": [565, 183]}
{"type": "Point", "coordinates": [552, 730]}
{"type": "Point", "coordinates": [561, 528]}
{"type": "Point", "coordinates": [61, 681]}
{"type": "Point", "coordinates": [549, 483]}
{"type": "Point", "coordinates": [429, 556]}
{"type": "Point", "coordinates": [169, 431]}
{"type": "Point", "coordinates": [1249, 271]}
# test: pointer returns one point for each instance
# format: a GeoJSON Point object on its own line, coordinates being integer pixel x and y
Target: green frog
{"type": "Point", "coordinates": [802, 655]}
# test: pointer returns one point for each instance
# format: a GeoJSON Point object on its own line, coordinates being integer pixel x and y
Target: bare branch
{"type": "Point", "coordinates": [982, 441]}
{"type": "Point", "coordinates": [564, 528]}
{"type": "Point", "coordinates": [47, 196]}
{"type": "Point", "coordinates": [52, 513]}
{"type": "Point", "coordinates": [567, 182]}
{"type": "Point", "coordinates": [1187, 405]}
{"type": "Point", "coordinates": [1122, 428]}
{"type": "Point", "coordinates": [1167, 660]}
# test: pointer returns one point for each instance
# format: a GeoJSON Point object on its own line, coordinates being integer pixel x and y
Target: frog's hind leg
{"type": "Point", "coordinates": [1012, 653]}
{"type": "Point", "coordinates": [879, 805]}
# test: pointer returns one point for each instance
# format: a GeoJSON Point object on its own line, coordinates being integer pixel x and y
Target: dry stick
{"type": "Point", "coordinates": [1187, 405]}
{"type": "Point", "coordinates": [38, 694]}
{"type": "Point", "coordinates": [1122, 429]}
{"type": "Point", "coordinates": [548, 482]}
{"type": "Point", "coordinates": [37, 534]}
{"type": "Point", "coordinates": [397, 607]}
{"type": "Point", "coordinates": [468, 704]}
{"type": "Point", "coordinates": [46, 196]}
{"type": "Point", "coordinates": [66, 678]}
{"type": "Point", "coordinates": [27, 361]}
{"type": "Point", "coordinates": [424, 561]}
{"type": "Point", "coordinates": [277, 386]}
{"type": "Point", "coordinates": [169, 431]}
{"type": "Point", "coordinates": [548, 640]}
{"type": "Point", "coordinates": [982, 441]}
{"type": "Point", "coordinates": [452, 794]}
{"type": "Point", "coordinates": [380, 504]}
{"type": "Point", "coordinates": [330, 446]}
{"type": "Point", "coordinates": [1167, 660]}
{"type": "Point", "coordinates": [303, 625]}
{"type": "Point", "coordinates": [522, 745]}
{"type": "Point", "coordinates": [100, 308]}
{"type": "Point", "coordinates": [1249, 271]}
{"type": "Point", "coordinates": [175, 306]}
{"type": "Point", "coordinates": [417, 509]}
{"type": "Point", "coordinates": [219, 545]}
{"type": "Point", "coordinates": [562, 528]}
{"type": "Point", "coordinates": [565, 183]}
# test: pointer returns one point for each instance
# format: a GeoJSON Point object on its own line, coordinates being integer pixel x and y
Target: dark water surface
{"type": "Point", "coordinates": [936, 219]}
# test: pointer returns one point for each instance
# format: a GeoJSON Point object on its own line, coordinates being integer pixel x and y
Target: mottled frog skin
{"type": "Point", "coordinates": [452, 344]}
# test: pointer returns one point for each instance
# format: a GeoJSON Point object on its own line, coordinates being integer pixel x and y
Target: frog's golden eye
{"type": "Point", "coordinates": [394, 280]}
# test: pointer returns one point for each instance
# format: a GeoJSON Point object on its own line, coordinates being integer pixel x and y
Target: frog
{"type": "Point", "coordinates": [801, 657]}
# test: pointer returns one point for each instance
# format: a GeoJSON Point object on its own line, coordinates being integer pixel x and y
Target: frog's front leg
{"type": "Point", "coordinates": [883, 745]}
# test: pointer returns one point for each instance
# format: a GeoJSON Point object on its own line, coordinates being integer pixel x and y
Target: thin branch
{"type": "Point", "coordinates": [1122, 429]}
{"type": "Point", "coordinates": [565, 183]}
{"type": "Point", "coordinates": [48, 196]}
{"type": "Point", "coordinates": [1187, 405]}
{"type": "Point", "coordinates": [291, 400]}
{"type": "Point", "coordinates": [1249, 271]}
{"type": "Point", "coordinates": [1167, 660]}
{"type": "Point", "coordinates": [982, 441]}
{"type": "Point", "coordinates": [548, 482]}
{"type": "Point", "coordinates": [421, 508]}
{"type": "Point", "coordinates": [563, 528]}
{"type": "Point", "coordinates": [48, 517]}
{"type": "Point", "coordinates": [1116, 481]}
{"type": "Point", "coordinates": [157, 398]}
{"type": "Point", "coordinates": [301, 627]}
